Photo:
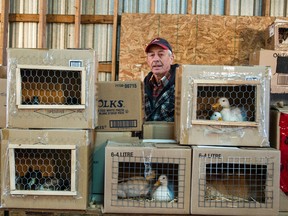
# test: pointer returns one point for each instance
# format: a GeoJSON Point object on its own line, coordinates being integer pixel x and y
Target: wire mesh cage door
{"type": "Point", "coordinates": [42, 169]}
{"type": "Point", "coordinates": [237, 103]}
{"type": "Point", "coordinates": [50, 87]}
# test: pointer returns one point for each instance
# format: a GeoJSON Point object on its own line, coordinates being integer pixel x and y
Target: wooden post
{"type": "Point", "coordinates": [114, 41]}
{"type": "Point", "coordinates": [266, 5]}
{"type": "Point", "coordinates": [77, 23]}
{"type": "Point", "coordinates": [227, 7]}
{"type": "Point", "coordinates": [42, 24]}
{"type": "Point", "coordinates": [189, 7]}
{"type": "Point", "coordinates": [152, 6]}
{"type": "Point", "coordinates": [4, 32]}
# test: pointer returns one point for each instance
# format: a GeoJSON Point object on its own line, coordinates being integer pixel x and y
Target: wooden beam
{"type": "Point", "coordinates": [152, 6]}
{"type": "Point", "coordinates": [104, 67]}
{"type": "Point", "coordinates": [99, 19]}
{"type": "Point", "coordinates": [189, 7]}
{"type": "Point", "coordinates": [227, 7]}
{"type": "Point", "coordinates": [77, 23]}
{"type": "Point", "coordinates": [58, 18]}
{"type": "Point", "coordinates": [114, 41]}
{"type": "Point", "coordinates": [23, 17]}
{"type": "Point", "coordinates": [266, 5]}
{"type": "Point", "coordinates": [4, 32]}
{"type": "Point", "coordinates": [42, 24]}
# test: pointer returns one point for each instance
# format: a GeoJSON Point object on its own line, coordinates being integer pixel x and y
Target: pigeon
{"type": "Point", "coordinates": [229, 113]}
{"type": "Point", "coordinates": [216, 116]}
{"type": "Point", "coordinates": [162, 191]}
{"type": "Point", "coordinates": [136, 186]}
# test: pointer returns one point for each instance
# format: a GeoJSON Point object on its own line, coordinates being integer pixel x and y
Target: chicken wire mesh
{"type": "Point", "coordinates": [283, 34]}
{"type": "Point", "coordinates": [236, 183]}
{"type": "Point", "coordinates": [240, 97]}
{"type": "Point", "coordinates": [160, 183]}
{"type": "Point", "coordinates": [54, 86]}
{"type": "Point", "coordinates": [41, 170]}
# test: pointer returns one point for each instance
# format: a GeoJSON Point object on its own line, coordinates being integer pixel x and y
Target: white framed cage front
{"type": "Point", "coordinates": [48, 87]}
{"type": "Point", "coordinates": [46, 91]}
{"type": "Point", "coordinates": [38, 178]}
{"type": "Point", "coordinates": [52, 166]}
{"type": "Point", "coordinates": [276, 35]}
{"type": "Point", "coordinates": [244, 89]}
{"type": "Point", "coordinates": [235, 181]}
{"type": "Point", "coordinates": [133, 170]}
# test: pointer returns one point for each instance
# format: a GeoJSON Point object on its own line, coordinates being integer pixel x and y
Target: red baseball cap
{"type": "Point", "coordinates": [159, 42]}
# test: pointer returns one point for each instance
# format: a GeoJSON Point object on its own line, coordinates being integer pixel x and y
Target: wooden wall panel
{"type": "Point", "coordinates": [135, 34]}
{"type": "Point", "coordinates": [196, 39]}
{"type": "Point", "coordinates": [186, 39]}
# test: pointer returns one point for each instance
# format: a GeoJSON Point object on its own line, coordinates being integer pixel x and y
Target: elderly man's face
{"type": "Point", "coordinates": [159, 60]}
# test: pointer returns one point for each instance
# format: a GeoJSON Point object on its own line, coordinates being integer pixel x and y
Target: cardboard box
{"type": "Point", "coordinates": [3, 96]}
{"type": "Point", "coordinates": [200, 87]}
{"type": "Point", "coordinates": [120, 106]}
{"type": "Point", "coordinates": [279, 134]}
{"type": "Point", "coordinates": [158, 130]}
{"type": "Point", "coordinates": [276, 35]}
{"type": "Point", "coordinates": [52, 88]}
{"type": "Point", "coordinates": [97, 189]}
{"type": "Point", "coordinates": [235, 181]}
{"type": "Point", "coordinates": [132, 170]}
{"type": "Point", "coordinates": [279, 67]}
{"type": "Point", "coordinates": [274, 129]}
{"type": "Point", "coordinates": [283, 202]}
{"type": "Point", "coordinates": [46, 169]}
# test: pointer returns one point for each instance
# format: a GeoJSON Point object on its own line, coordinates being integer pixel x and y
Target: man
{"type": "Point", "coordinates": [159, 84]}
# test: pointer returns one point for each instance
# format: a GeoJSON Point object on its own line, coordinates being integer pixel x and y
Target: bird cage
{"type": "Point", "coordinates": [276, 35]}
{"type": "Point", "coordinates": [51, 88]}
{"type": "Point", "coordinates": [235, 181]}
{"type": "Point", "coordinates": [222, 105]}
{"type": "Point", "coordinates": [147, 178]}
{"type": "Point", "coordinates": [50, 166]}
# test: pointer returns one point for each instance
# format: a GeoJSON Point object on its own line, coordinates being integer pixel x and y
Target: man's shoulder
{"type": "Point", "coordinates": [148, 76]}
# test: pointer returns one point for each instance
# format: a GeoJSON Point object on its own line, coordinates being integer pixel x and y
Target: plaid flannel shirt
{"type": "Point", "coordinates": [161, 108]}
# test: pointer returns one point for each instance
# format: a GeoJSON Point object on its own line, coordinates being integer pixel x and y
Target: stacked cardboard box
{"type": "Point", "coordinates": [279, 140]}
{"type": "Point", "coordinates": [275, 55]}
{"type": "Point", "coordinates": [233, 167]}
{"type": "Point", "coordinates": [51, 117]}
{"type": "Point", "coordinates": [120, 114]}
{"type": "Point", "coordinates": [136, 167]}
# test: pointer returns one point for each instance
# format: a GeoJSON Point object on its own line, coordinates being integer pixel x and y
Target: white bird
{"type": "Point", "coordinates": [162, 191]}
{"type": "Point", "coordinates": [216, 116]}
{"type": "Point", "coordinates": [229, 113]}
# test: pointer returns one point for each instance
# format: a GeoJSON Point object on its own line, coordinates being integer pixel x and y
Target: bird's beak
{"type": "Point", "coordinates": [220, 119]}
{"type": "Point", "coordinates": [216, 106]}
{"type": "Point", "coordinates": [158, 183]}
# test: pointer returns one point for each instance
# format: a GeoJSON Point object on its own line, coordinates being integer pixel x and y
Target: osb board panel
{"type": "Point", "coordinates": [196, 39]}
{"type": "Point", "coordinates": [216, 34]}
{"type": "Point", "coordinates": [249, 36]}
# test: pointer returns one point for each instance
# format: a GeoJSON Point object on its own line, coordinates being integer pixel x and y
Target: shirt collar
{"type": "Point", "coordinates": [164, 80]}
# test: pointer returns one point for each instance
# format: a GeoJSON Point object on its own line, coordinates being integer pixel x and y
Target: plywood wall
{"type": "Point", "coordinates": [196, 39]}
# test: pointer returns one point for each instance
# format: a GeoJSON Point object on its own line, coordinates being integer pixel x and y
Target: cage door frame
{"type": "Point", "coordinates": [45, 67]}
{"type": "Point", "coordinates": [12, 170]}
{"type": "Point", "coordinates": [203, 82]}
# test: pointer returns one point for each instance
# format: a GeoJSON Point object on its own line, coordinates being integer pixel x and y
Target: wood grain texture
{"type": "Point", "coordinates": [195, 39]}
